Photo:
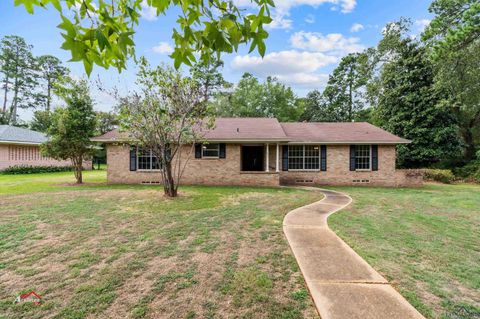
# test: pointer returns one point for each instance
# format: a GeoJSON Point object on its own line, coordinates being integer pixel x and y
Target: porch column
{"type": "Point", "coordinates": [277, 169]}
{"type": "Point", "coordinates": [268, 155]}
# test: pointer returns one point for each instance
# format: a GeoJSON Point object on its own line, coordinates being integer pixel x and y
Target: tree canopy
{"type": "Point", "coordinates": [252, 98]}
{"type": "Point", "coordinates": [101, 32]}
{"type": "Point", "coordinates": [72, 127]}
{"type": "Point", "coordinates": [408, 103]}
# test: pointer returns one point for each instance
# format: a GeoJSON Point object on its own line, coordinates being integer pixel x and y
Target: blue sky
{"type": "Point", "coordinates": [307, 39]}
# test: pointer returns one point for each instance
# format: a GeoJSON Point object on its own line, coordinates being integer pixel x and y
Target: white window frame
{"type": "Point", "coordinates": [204, 148]}
{"type": "Point", "coordinates": [369, 161]}
{"type": "Point", "coordinates": [151, 162]}
{"type": "Point", "coordinates": [303, 169]}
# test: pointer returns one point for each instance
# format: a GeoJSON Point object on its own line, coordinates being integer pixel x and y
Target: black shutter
{"type": "Point", "coordinates": [198, 150]}
{"type": "Point", "coordinates": [222, 152]}
{"type": "Point", "coordinates": [133, 158]}
{"type": "Point", "coordinates": [323, 158]}
{"type": "Point", "coordinates": [374, 157]}
{"type": "Point", "coordinates": [352, 157]}
{"type": "Point", "coordinates": [285, 158]}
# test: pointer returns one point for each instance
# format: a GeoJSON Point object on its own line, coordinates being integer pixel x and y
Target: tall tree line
{"type": "Point", "coordinates": [27, 81]}
{"type": "Point", "coordinates": [426, 88]}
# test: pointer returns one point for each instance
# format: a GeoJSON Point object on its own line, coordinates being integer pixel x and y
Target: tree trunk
{"type": "Point", "coordinates": [470, 145]}
{"type": "Point", "coordinates": [169, 182]}
{"type": "Point", "coordinates": [5, 96]}
{"type": "Point", "coordinates": [350, 103]}
{"type": "Point", "coordinates": [77, 167]}
{"type": "Point", "coordinates": [49, 96]}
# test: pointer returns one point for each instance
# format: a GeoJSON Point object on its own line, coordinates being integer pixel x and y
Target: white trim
{"type": "Point", "coordinates": [19, 143]}
{"type": "Point", "coordinates": [303, 159]}
{"type": "Point", "coordinates": [277, 168]}
{"type": "Point", "coordinates": [267, 169]}
{"type": "Point", "coordinates": [204, 147]}
{"type": "Point", "coordinates": [143, 169]}
{"type": "Point", "coordinates": [281, 141]}
{"type": "Point", "coordinates": [370, 161]}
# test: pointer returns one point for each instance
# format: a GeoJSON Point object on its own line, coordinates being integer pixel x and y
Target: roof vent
{"type": "Point", "coordinates": [238, 130]}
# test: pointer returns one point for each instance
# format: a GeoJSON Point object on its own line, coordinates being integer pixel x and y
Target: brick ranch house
{"type": "Point", "coordinates": [21, 147]}
{"type": "Point", "coordinates": [264, 152]}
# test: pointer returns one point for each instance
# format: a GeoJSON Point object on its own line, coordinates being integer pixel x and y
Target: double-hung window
{"type": "Point", "coordinates": [303, 157]}
{"type": "Point", "coordinates": [211, 150]}
{"type": "Point", "coordinates": [146, 160]}
{"type": "Point", "coordinates": [363, 158]}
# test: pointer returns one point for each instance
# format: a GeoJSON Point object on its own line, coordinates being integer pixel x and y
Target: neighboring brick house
{"type": "Point", "coordinates": [21, 147]}
{"type": "Point", "coordinates": [264, 152]}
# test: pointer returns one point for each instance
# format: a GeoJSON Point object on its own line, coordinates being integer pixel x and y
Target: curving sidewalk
{"type": "Point", "coordinates": [341, 283]}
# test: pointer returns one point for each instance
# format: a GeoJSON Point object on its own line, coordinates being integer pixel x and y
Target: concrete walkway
{"type": "Point", "coordinates": [342, 284]}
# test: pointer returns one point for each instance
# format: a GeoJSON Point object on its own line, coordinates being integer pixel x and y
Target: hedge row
{"type": "Point", "coordinates": [24, 169]}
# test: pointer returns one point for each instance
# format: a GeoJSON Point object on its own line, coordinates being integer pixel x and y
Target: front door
{"type": "Point", "coordinates": [252, 158]}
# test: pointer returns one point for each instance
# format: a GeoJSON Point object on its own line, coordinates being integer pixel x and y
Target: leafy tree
{"type": "Point", "coordinates": [251, 98]}
{"type": "Point", "coordinates": [345, 90]}
{"type": "Point", "coordinates": [72, 127]}
{"type": "Point", "coordinates": [454, 39]}
{"type": "Point", "coordinates": [407, 105]}
{"type": "Point", "coordinates": [317, 109]}
{"type": "Point", "coordinates": [18, 70]}
{"type": "Point", "coordinates": [101, 32]}
{"type": "Point", "coordinates": [106, 121]}
{"type": "Point", "coordinates": [207, 74]}
{"type": "Point", "coordinates": [166, 116]}
{"type": "Point", "coordinates": [50, 70]}
{"type": "Point", "coordinates": [41, 121]}
{"type": "Point", "coordinates": [456, 26]}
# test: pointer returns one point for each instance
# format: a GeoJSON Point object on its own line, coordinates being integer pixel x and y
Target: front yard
{"type": "Point", "coordinates": [425, 241]}
{"type": "Point", "coordinates": [126, 252]}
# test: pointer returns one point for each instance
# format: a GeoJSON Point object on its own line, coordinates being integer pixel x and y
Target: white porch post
{"type": "Point", "coordinates": [277, 169]}
{"type": "Point", "coordinates": [268, 158]}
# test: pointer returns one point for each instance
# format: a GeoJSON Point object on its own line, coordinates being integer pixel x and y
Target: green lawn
{"type": "Point", "coordinates": [426, 241]}
{"type": "Point", "coordinates": [97, 251]}
{"type": "Point", "coordinates": [122, 251]}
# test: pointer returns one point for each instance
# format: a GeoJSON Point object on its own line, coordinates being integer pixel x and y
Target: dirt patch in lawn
{"type": "Point", "coordinates": [130, 253]}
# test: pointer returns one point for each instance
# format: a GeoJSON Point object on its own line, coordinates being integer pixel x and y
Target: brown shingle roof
{"type": "Point", "coordinates": [245, 129]}
{"type": "Point", "coordinates": [358, 132]}
{"type": "Point", "coordinates": [269, 129]}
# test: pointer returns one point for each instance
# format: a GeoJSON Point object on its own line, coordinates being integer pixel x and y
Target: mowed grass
{"type": "Point", "coordinates": [426, 241]}
{"type": "Point", "coordinates": [102, 251]}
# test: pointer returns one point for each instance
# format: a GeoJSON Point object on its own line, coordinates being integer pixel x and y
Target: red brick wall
{"type": "Point", "coordinates": [228, 171]}
{"type": "Point", "coordinates": [224, 171]}
{"type": "Point", "coordinates": [28, 155]}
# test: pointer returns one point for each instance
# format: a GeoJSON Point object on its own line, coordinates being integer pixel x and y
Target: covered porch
{"type": "Point", "coordinates": [260, 157]}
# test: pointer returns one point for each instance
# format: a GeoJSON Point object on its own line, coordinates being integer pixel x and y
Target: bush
{"type": "Point", "coordinates": [24, 169]}
{"type": "Point", "coordinates": [469, 172]}
{"type": "Point", "coordinates": [439, 175]}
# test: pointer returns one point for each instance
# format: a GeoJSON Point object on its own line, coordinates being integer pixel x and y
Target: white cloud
{"type": "Point", "coordinates": [357, 27]}
{"type": "Point", "coordinates": [422, 24]}
{"type": "Point", "coordinates": [333, 43]}
{"type": "Point", "coordinates": [290, 67]}
{"type": "Point", "coordinates": [305, 80]}
{"type": "Point", "coordinates": [279, 22]}
{"type": "Point", "coordinates": [310, 19]}
{"type": "Point", "coordinates": [163, 48]}
{"type": "Point", "coordinates": [282, 8]}
{"type": "Point", "coordinates": [148, 13]}
{"type": "Point", "coordinates": [283, 62]}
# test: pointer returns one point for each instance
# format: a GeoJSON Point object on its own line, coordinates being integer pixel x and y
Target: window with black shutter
{"type": "Point", "coordinates": [323, 158]}
{"type": "Point", "coordinates": [133, 158]}
{"type": "Point", "coordinates": [285, 158]}
{"type": "Point", "coordinates": [374, 157]}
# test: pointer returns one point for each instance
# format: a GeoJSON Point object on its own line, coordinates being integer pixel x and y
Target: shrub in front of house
{"type": "Point", "coordinates": [439, 175]}
{"type": "Point", "coordinates": [469, 172]}
{"type": "Point", "coordinates": [26, 169]}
